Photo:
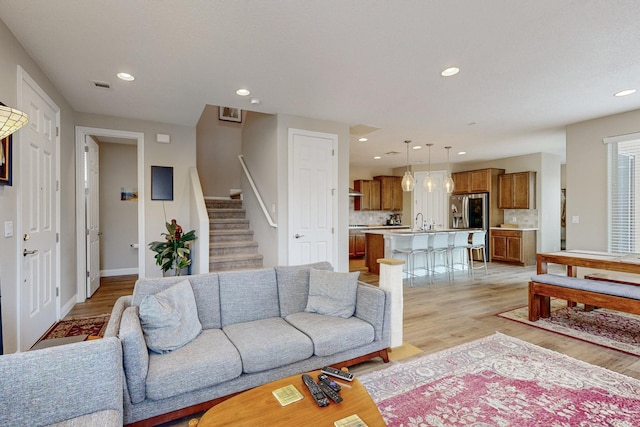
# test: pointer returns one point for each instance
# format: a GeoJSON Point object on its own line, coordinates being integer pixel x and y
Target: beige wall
{"type": "Point", "coordinates": [118, 218]}
{"type": "Point", "coordinates": [12, 54]}
{"type": "Point", "coordinates": [180, 154]}
{"type": "Point", "coordinates": [586, 177]}
{"type": "Point", "coordinates": [218, 145]}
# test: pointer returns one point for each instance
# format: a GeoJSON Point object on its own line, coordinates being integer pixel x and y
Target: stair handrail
{"type": "Point", "coordinates": [265, 211]}
{"type": "Point", "coordinates": [200, 221]}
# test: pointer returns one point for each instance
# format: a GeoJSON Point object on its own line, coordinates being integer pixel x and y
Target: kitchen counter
{"type": "Point", "coordinates": [515, 228]}
{"type": "Point", "coordinates": [376, 227]}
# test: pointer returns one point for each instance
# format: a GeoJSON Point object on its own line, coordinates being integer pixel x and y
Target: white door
{"type": "Point", "coordinates": [311, 196]}
{"type": "Point", "coordinates": [38, 214]}
{"type": "Point", "coordinates": [433, 206]}
{"type": "Point", "coordinates": [92, 212]}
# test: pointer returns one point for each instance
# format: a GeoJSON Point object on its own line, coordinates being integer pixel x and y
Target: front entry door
{"type": "Point", "coordinates": [38, 189]}
{"type": "Point", "coordinates": [312, 197]}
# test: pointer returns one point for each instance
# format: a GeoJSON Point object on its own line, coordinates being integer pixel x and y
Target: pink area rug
{"type": "Point", "coordinates": [608, 328]}
{"type": "Point", "coordinates": [503, 381]}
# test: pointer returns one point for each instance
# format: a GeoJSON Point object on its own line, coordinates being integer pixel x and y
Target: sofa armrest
{"type": "Point", "coordinates": [373, 305]}
{"type": "Point", "coordinates": [113, 326]}
{"type": "Point", "coordinates": [57, 384]}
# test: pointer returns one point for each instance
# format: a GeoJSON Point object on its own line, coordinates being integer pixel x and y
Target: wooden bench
{"type": "Point", "coordinates": [597, 293]}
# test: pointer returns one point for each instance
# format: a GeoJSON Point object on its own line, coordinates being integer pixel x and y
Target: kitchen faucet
{"type": "Point", "coordinates": [420, 224]}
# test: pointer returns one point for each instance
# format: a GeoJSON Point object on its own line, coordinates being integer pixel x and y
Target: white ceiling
{"type": "Point", "coordinates": [528, 67]}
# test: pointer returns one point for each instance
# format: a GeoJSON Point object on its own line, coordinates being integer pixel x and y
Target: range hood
{"type": "Point", "coordinates": [354, 193]}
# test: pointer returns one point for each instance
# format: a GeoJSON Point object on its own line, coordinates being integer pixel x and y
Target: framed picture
{"type": "Point", "coordinates": [6, 161]}
{"type": "Point", "coordinates": [230, 114]}
{"type": "Point", "coordinates": [161, 183]}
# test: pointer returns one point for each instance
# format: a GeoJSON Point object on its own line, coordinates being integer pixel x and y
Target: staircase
{"type": "Point", "coordinates": [231, 244]}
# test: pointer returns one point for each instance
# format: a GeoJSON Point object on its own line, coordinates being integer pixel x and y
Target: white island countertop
{"type": "Point", "coordinates": [407, 231]}
{"type": "Point", "coordinates": [515, 228]}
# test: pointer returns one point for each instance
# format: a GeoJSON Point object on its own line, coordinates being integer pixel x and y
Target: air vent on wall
{"type": "Point", "coordinates": [102, 85]}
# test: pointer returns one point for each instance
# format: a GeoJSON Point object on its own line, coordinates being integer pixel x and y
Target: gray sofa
{"type": "Point", "coordinates": [254, 330]}
{"type": "Point", "coordinates": [77, 384]}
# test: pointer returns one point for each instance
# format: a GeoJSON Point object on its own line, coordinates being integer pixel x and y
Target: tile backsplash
{"type": "Point", "coordinates": [525, 218]}
{"type": "Point", "coordinates": [367, 217]}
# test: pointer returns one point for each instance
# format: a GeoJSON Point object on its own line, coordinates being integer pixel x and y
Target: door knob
{"type": "Point", "coordinates": [26, 252]}
{"type": "Point", "coordinates": [297, 236]}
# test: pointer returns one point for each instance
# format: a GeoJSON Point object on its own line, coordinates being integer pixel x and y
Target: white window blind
{"type": "Point", "coordinates": [624, 193]}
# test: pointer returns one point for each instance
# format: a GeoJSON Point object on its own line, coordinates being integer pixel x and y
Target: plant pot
{"type": "Point", "coordinates": [172, 272]}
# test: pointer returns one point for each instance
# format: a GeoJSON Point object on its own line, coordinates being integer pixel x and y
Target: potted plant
{"type": "Point", "coordinates": [173, 252]}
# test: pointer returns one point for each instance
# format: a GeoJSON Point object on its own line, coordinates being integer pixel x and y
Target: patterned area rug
{"type": "Point", "coordinates": [83, 326]}
{"type": "Point", "coordinates": [608, 328]}
{"type": "Point", "coordinates": [502, 381]}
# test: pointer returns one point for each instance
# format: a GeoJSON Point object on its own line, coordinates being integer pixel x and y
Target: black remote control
{"type": "Point", "coordinates": [329, 392]}
{"type": "Point", "coordinates": [328, 381]}
{"type": "Point", "coordinates": [329, 370]}
{"type": "Point", "coordinates": [316, 392]}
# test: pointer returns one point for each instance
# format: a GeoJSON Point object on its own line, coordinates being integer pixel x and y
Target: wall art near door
{"type": "Point", "coordinates": [230, 114]}
{"type": "Point", "coordinates": [161, 183]}
{"type": "Point", "coordinates": [127, 193]}
{"type": "Point", "coordinates": [6, 161]}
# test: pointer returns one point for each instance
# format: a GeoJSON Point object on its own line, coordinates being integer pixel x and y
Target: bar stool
{"type": "Point", "coordinates": [415, 244]}
{"type": "Point", "coordinates": [478, 244]}
{"type": "Point", "coordinates": [459, 242]}
{"type": "Point", "coordinates": [440, 245]}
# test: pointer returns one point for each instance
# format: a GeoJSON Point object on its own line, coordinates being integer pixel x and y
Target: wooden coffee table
{"type": "Point", "coordinates": [258, 407]}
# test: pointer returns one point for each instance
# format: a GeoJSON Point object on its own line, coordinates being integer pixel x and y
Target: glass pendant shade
{"type": "Point", "coordinates": [11, 120]}
{"type": "Point", "coordinates": [448, 181]}
{"type": "Point", "coordinates": [429, 184]}
{"type": "Point", "coordinates": [408, 182]}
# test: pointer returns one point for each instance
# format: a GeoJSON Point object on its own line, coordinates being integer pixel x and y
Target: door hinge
{"type": "Point", "coordinates": [87, 230]}
{"type": "Point", "coordinates": [88, 275]}
{"type": "Point", "coordinates": [57, 237]}
{"type": "Point", "coordinates": [57, 292]}
{"type": "Point", "coordinates": [333, 152]}
{"type": "Point", "coordinates": [57, 131]}
{"type": "Point", "coordinates": [86, 148]}
{"type": "Point", "coordinates": [57, 185]}
{"type": "Point", "coordinates": [331, 230]}
{"type": "Point", "coordinates": [333, 191]}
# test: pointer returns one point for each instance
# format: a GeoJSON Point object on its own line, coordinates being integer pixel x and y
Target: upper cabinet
{"type": "Point", "coordinates": [390, 192]}
{"type": "Point", "coordinates": [476, 181]}
{"type": "Point", "coordinates": [517, 190]}
{"type": "Point", "coordinates": [370, 199]}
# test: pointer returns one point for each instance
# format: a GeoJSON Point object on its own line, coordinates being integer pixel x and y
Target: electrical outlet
{"type": "Point", "coordinates": [8, 229]}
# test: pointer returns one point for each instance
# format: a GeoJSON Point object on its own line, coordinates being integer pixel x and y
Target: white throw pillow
{"type": "Point", "coordinates": [169, 319]}
{"type": "Point", "coordinates": [332, 293]}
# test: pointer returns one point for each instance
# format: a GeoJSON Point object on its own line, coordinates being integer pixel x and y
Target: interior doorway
{"type": "Point", "coordinates": [86, 199]}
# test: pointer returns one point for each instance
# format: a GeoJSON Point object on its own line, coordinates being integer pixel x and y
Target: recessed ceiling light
{"type": "Point", "coordinates": [255, 101]}
{"type": "Point", "coordinates": [243, 92]}
{"type": "Point", "coordinates": [625, 92]}
{"type": "Point", "coordinates": [460, 153]}
{"type": "Point", "coordinates": [451, 71]}
{"type": "Point", "coordinates": [417, 147]}
{"type": "Point", "coordinates": [363, 139]}
{"type": "Point", "coordinates": [377, 158]}
{"type": "Point", "coordinates": [126, 77]}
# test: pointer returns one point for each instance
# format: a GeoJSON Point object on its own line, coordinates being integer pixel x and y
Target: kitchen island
{"type": "Point", "coordinates": [380, 243]}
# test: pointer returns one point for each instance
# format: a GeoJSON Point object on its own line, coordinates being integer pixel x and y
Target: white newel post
{"type": "Point", "coordinates": [391, 281]}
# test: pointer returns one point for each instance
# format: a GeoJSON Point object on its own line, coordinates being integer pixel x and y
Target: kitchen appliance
{"type": "Point", "coordinates": [470, 211]}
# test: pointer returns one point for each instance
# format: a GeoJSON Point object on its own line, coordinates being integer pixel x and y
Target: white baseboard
{"type": "Point", "coordinates": [65, 309]}
{"type": "Point", "coordinates": [119, 272]}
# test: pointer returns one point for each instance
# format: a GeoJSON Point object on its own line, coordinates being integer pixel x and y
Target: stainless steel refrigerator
{"type": "Point", "coordinates": [470, 211]}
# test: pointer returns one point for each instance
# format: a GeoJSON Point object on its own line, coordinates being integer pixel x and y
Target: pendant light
{"type": "Point", "coordinates": [448, 182]}
{"type": "Point", "coordinates": [11, 120]}
{"type": "Point", "coordinates": [407, 180]}
{"type": "Point", "coordinates": [428, 183]}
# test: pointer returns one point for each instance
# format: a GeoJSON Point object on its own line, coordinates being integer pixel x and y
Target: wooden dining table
{"type": "Point", "coordinates": [622, 262]}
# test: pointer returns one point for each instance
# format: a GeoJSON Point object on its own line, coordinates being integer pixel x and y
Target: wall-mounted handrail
{"type": "Point", "coordinates": [256, 192]}
{"type": "Point", "coordinates": [200, 221]}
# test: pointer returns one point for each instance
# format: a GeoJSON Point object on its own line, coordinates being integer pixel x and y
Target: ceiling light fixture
{"type": "Point", "coordinates": [126, 77]}
{"type": "Point", "coordinates": [417, 147]}
{"type": "Point", "coordinates": [255, 101]}
{"type": "Point", "coordinates": [363, 139]}
{"type": "Point", "coordinates": [243, 92]}
{"type": "Point", "coordinates": [448, 181]}
{"type": "Point", "coordinates": [407, 180]}
{"type": "Point", "coordinates": [461, 153]}
{"type": "Point", "coordinates": [451, 71]}
{"type": "Point", "coordinates": [377, 157]}
{"type": "Point", "coordinates": [625, 92]}
{"type": "Point", "coordinates": [428, 183]}
{"type": "Point", "coordinates": [11, 120]}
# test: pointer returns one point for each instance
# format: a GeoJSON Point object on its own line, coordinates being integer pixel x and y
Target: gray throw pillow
{"type": "Point", "coordinates": [332, 293]}
{"type": "Point", "coordinates": [169, 319]}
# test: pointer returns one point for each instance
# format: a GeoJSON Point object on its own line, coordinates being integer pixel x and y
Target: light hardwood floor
{"type": "Point", "coordinates": [446, 314]}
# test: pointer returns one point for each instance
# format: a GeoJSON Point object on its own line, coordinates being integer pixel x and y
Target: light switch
{"type": "Point", "coordinates": [575, 219]}
{"type": "Point", "coordinates": [8, 229]}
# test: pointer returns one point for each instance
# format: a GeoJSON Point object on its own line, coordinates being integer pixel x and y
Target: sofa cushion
{"type": "Point", "coordinates": [293, 286]}
{"type": "Point", "coordinates": [268, 343]}
{"type": "Point", "coordinates": [169, 318]}
{"type": "Point", "coordinates": [332, 334]}
{"type": "Point", "coordinates": [208, 360]}
{"type": "Point", "coordinates": [331, 293]}
{"type": "Point", "coordinates": [248, 295]}
{"type": "Point", "coordinates": [135, 356]}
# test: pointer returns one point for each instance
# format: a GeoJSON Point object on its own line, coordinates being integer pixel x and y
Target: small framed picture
{"type": "Point", "coordinates": [230, 114]}
{"type": "Point", "coordinates": [6, 161]}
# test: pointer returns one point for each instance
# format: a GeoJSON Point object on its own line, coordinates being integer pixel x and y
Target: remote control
{"type": "Point", "coordinates": [316, 392]}
{"type": "Point", "coordinates": [328, 381]}
{"type": "Point", "coordinates": [347, 376]}
{"type": "Point", "coordinates": [329, 392]}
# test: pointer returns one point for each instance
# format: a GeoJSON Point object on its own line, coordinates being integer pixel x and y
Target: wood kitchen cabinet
{"type": "Point", "coordinates": [476, 181]}
{"type": "Point", "coordinates": [370, 199]}
{"type": "Point", "coordinates": [391, 198]}
{"type": "Point", "coordinates": [514, 246]}
{"type": "Point", "coordinates": [517, 190]}
{"type": "Point", "coordinates": [462, 182]}
{"type": "Point", "coordinates": [356, 245]}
